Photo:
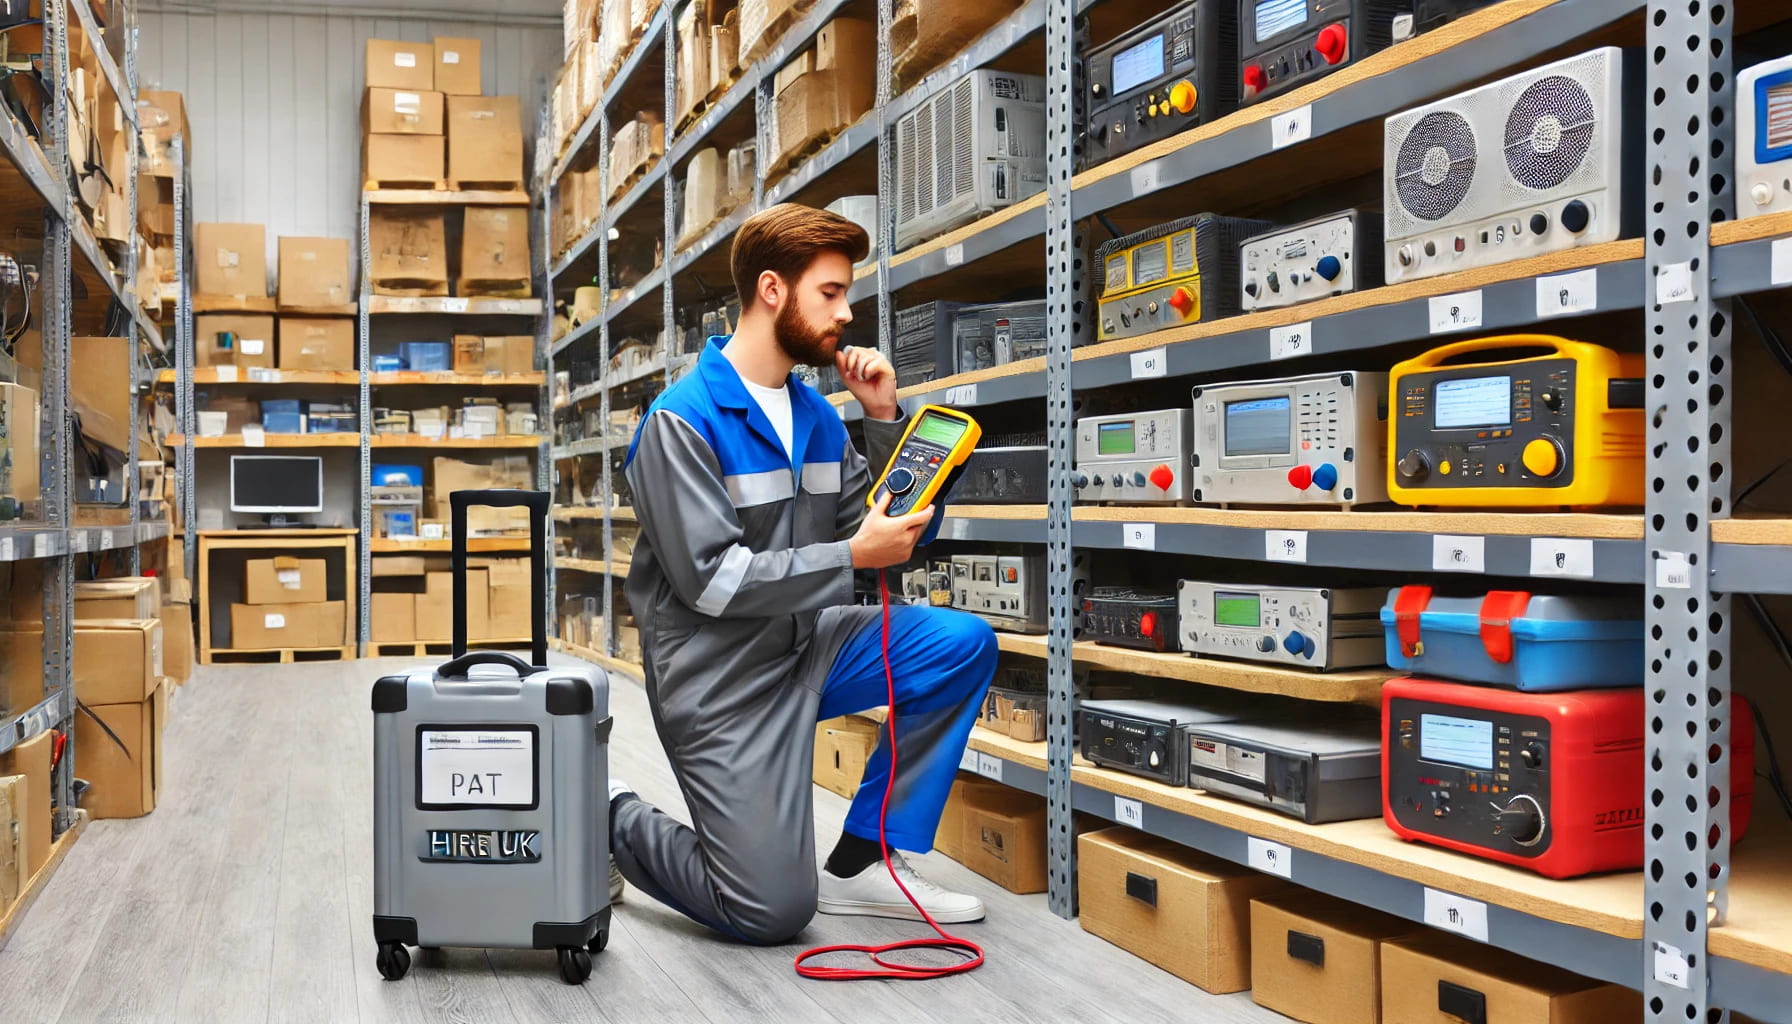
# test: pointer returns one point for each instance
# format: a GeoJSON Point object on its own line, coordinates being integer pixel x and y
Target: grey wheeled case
{"type": "Point", "coordinates": [490, 819]}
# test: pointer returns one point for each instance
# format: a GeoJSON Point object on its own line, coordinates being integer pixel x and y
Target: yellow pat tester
{"type": "Point", "coordinates": [937, 441]}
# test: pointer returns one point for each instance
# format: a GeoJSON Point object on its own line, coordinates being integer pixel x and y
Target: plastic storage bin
{"type": "Point", "coordinates": [1533, 642]}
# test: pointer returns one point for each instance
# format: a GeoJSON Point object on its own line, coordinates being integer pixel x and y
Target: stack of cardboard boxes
{"type": "Point", "coordinates": [161, 116]}
{"type": "Point", "coordinates": [315, 329]}
{"type": "Point", "coordinates": [823, 90]}
{"type": "Point", "coordinates": [708, 55]}
{"type": "Point", "coordinates": [317, 305]}
{"type": "Point", "coordinates": [285, 606]}
{"type": "Point", "coordinates": [121, 674]}
{"type": "Point", "coordinates": [412, 600]}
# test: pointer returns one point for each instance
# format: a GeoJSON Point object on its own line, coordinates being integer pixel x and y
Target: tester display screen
{"type": "Point", "coordinates": [1136, 65]}
{"type": "Point", "coordinates": [1231, 609]}
{"type": "Point", "coordinates": [941, 430]}
{"type": "Point", "coordinates": [1277, 16]}
{"type": "Point", "coordinates": [1466, 742]}
{"type": "Point", "coordinates": [1115, 439]}
{"type": "Point", "coordinates": [1776, 120]}
{"type": "Point", "coordinates": [1258, 427]}
{"type": "Point", "coordinates": [1474, 402]}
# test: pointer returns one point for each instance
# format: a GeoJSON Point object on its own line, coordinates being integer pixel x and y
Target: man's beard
{"type": "Point", "coordinates": [802, 342]}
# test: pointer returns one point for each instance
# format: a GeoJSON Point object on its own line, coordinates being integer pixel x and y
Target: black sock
{"type": "Point", "coordinates": [853, 854]}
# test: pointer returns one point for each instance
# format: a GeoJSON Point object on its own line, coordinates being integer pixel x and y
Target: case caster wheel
{"type": "Point", "coordinates": [575, 965]}
{"type": "Point", "coordinates": [598, 942]}
{"type": "Point", "coordinates": [394, 960]}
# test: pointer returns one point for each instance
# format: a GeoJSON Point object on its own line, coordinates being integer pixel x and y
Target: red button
{"type": "Point", "coordinates": [1182, 300]}
{"type": "Point", "coordinates": [1331, 43]}
{"type": "Point", "coordinates": [1253, 80]}
{"type": "Point", "coordinates": [1162, 477]}
{"type": "Point", "coordinates": [1148, 624]}
{"type": "Point", "coordinates": [1301, 477]}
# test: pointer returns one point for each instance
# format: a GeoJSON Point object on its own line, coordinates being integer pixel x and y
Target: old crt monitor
{"type": "Point", "coordinates": [277, 486]}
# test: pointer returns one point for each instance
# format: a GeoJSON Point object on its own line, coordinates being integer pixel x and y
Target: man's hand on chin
{"type": "Point", "coordinates": [871, 379]}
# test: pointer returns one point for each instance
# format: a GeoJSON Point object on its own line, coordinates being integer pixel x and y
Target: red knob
{"type": "Point", "coordinates": [1301, 477]}
{"type": "Point", "coordinates": [1148, 624]}
{"type": "Point", "coordinates": [1182, 301]}
{"type": "Point", "coordinates": [1162, 477]}
{"type": "Point", "coordinates": [1253, 80]}
{"type": "Point", "coordinates": [1332, 43]}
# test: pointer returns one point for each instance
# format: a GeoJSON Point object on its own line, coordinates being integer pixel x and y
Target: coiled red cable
{"type": "Point", "coordinates": [892, 969]}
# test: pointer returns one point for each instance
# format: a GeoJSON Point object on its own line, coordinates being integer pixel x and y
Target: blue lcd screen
{"type": "Point", "coordinates": [1136, 65]}
{"type": "Point", "coordinates": [1277, 16]}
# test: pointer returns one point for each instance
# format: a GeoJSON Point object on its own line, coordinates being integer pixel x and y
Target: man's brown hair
{"type": "Point", "coordinates": [785, 239]}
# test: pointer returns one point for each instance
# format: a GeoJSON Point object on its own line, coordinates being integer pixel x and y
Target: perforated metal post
{"type": "Point", "coordinates": [886, 176]}
{"type": "Point", "coordinates": [1687, 717]}
{"type": "Point", "coordinates": [133, 470]}
{"type": "Point", "coordinates": [765, 134]}
{"type": "Point", "coordinates": [364, 346]}
{"type": "Point", "coordinates": [183, 344]}
{"type": "Point", "coordinates": [57, 426]}
{"type": "Point", "coordinates": [541, 233]}
{"type": "Point", "coordinates": [1061, 275]}
{"type": "Point", "coordinates": [608, 644]}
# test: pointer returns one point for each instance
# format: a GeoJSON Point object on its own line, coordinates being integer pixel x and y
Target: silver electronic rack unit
{"type": "Point", "coordinates": [968, 150]}
{"type": "Point", "coordinates": [1142, 737]}
{"type": "Point", "coordinates": [1305, 627]}
{"type": "Point", "coordinates": [1008, 591]}
{"type": "Point", "coordinates": [1317, 772]}
{"type": "Point", "coordinates": [922, 342]}
{"type": "Point", "coordinates": [1319, 439]}
{"type": "Point", "coordinates": [1014, 475]}
{"type": "Point", "coordinates": [1531, 164]}
{"type": "Point", "coordinates": [1330, 255]}
{"type": "Point", "coordinates": [990, 334]}
{"type": "Point", "coordinates": [1137, 457]}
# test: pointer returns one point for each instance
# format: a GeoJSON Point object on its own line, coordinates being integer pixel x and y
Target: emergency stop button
{"type": "Point", "coordinates": [1182, 301]}
{"type": "Point", "coordinates": [1162, 477]}
{"type": "Point", "coordinates": [1332, 43]}
{"type": "Point", "coordinates": [1182, 96]}
{"type": "Point", "coordinates": [1300, 477]}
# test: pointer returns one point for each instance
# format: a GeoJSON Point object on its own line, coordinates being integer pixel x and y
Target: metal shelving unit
{"type": "Point", "coordinates": [1688, 65]}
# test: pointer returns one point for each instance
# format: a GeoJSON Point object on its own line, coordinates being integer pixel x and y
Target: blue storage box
{"type": "Point", "coordinates": [386, 474]}
{"type": "Point", "coordinates": [282, 407]}
{"type": "Point", "coordinates": [1516, 639]}
{"type": "Point", "coordinates": [282, 422]}
{"type": "Point", "coordinates": [428, 356]}
{"type": "Point", "coordinates": [388, 364]}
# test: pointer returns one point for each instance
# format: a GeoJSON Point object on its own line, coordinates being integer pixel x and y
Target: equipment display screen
{"type": "Point", "coordinates": [1115, 439]}
{"type": "Point", "coordinates": [1258, 426]}
{"type": "Point", "coordinates": [1233, 609]}
{"type": "Point", "coordinates": [941, 430]}
{"type": "Point", "coordinates": [1776, 120]}
{"type": "Point", "coordinates": [1467, 742]}
{"type": "Point", "coordinates": [1136, 65]}
{"type": "Point", "coordinates": [1276, 16]}
{"type": "Point", "coordinates": [1151, 263]}
{"type": "Point", "coordinates": [1474, 402]}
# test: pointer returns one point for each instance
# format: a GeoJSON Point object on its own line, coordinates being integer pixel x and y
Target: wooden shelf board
{"type": "Point", "coordinates": [516, 441]}
{"type": "Point", "coordinates": [1758, 930]}
{"type": "Point", "coordinates": [203, 304]}
{"type": "Point", "coordinates": [592, 565]}
{"type": "Point", "coordinates": [1020, 513]}
{"type": "Point", "coordinates": [337, 440]}
{"type": "Point", "coordinates": [1752, 531]}
{"type": "Point", "coordinates": [1600, 526]}
{"type": "Point", "coordinates": [209, 375]}
{"type": "Point", "coordinates": [1749, 229]}
{"type": "Point", "coordinates": [446, 197]}
{"type": "Point", "coordinates": [345, 309]}
{"type": "Point", "coordinates": [597, 658]}
{"type": "Point", "coordinates": [568, 515]}
{"type": "Point", "coordinates": [1029, 753]}
{"type": "Point", "coordinates": [253, 535]}
{"type": "Point", "coordinates": [1355, 686]}
{"type": "Point", "coordinates": [456, 305]}
{"type": "Point", "coordinates": [402, 378]}
{"type": "Point", "coordinates": [1612, 904]}
{"type": "Point", "coordinates": [475, 545]}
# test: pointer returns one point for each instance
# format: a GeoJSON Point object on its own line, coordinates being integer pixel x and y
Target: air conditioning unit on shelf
{"type": "Point", "coordinates": [969, 150]}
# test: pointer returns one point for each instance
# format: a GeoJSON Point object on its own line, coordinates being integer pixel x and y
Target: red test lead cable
{"type": "Point", "coordinates": [893, 969]}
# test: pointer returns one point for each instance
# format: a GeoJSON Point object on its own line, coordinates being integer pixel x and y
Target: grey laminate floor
{"type": "Point", "coordinates": [246, 897]}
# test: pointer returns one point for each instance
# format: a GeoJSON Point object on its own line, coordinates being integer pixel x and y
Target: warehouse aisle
{"type": "Point", "coordinates": [247, 894]}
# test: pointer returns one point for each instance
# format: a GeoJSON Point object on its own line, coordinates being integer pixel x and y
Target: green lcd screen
{"type": "Point", "coordinates": [941, 430]}
{"type": "Point", "coordinates": [1115, 439]}
{"type": "Point", "coordinates": [1237, 609]}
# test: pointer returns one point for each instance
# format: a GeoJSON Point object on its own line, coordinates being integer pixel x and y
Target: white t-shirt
{"type": "Point", "coordinates": [776, 403]}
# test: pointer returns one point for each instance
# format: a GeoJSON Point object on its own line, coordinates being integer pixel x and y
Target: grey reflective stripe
{"type": "Point", "coordinates": [821, 477]}
{"type": "Point", "coordinates": [726, 581]}
{"type": "Point", "coordinates": [747, 489]}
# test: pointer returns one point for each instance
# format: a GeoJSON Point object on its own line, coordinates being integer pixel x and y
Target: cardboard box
{"type": "Point", "coordinates": [452, 475]}
{"type": "Point", "coordinates": [394, 617]}
{"type": "Point", "coordinates": [401, 112]}
{"type": "Point", "coordinates": [485, 139]}
{"type": "Point", "coordinates": [285, 579]}
{"type": "Point", "coordinates": [478, 602]}
{"type": "Point", "coordinates": [1424, 980]}
{"type": "Point", "coordinates": [842, 746]}
{"type": "Point", "coordinates": [177, 641]}
{"type": "Point", "coordinates": [457, 69]}
{"type": "Point", "coordinates": [314, 272]}
{"type": "Point", "coordinates": [238, 412]}
{"type": "Point", "coordinates": [409, 246]}
{"type": "Point", "coordinates": [317, 343]}
{"type": "Point", "coordinates": [1020, 715]}
{"type": "Point", "coordinates": [1173, 906]}
{"type": "Point", "coordinates": [926, 33]}
{"type": "Point", "coordinates": [435, 608]}
{"type": "Point", "coordinates": [848, 44]}
{"type": "Point", "coordinates": [760, 25]}
{"type": "Point", "coordinates": [251, 344]}
{"type": "Point", "coordinates": [397, 65]}
{"type": "Point", "coordinates": [1004, 837]}
{"type": "Point", "coordinates": [101, 390]}
{"type": "Point", "coordinates": [800, 65]}
{"type": "Point", "coordinates": [818, 104]}
{"type": "Point", "coordinates": [692, 80]}
{"type": "Point", "coordinates": [230, 259]}
{"type": "Point", "coordinates": [15, 832]}
{"type": "Point", "coordinates": [724, 52]}
{"type": "Point", "coordinates": [21, 416]}
{"type": "Point", "coordinates": [162, 115]}
{"type": "Point", "coordinates": [469, 353]}
{"type": "Point", "coordinates": [509, 600]}
{"type": "Point", "coordinates": [1318, 959]}
{"type": "Point", "coordinates": [404, 158]}
{"type": "Point", "coordinates": [32, 760]}
{"type": "Point", "coordinates": [510, 354]}
{"type": "Point", "coordinates": [949, 837]}
{"type": "Point", "coordinates": [21, 667]}
{"type": "Point", "coordinates": [495, 244]}
{"type": "Point", "coordinates": [125, 597]}
{"type": "Point", "coordinates": [117, 661]}
{"type": "Point", "coordinates": [256, 627]}
{"type": "Point", "coordinates": [124, 773]}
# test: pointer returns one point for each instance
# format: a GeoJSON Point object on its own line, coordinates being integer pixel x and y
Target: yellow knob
{"type": "Point", "coordinates": [1444, 467]}
{"type": "Point", "coordinates": [1182, 96]}
{"type": "Point", "coordinates": [1542, 457]}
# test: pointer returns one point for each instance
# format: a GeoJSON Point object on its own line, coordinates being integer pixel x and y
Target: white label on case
{"type": "Point", "coordinates": [1292, 127]}
{"type": "Point", "coordinates": [989, 767]}
{"type": "Point", "coordinates": [1561, 556]}
{"type": "Point", "coordinates": [1144, 179]}
{"type": "Point", "coordinates": [226, 374]}
{"type": "Point", "coordinates": [1139, 535]}
{"type": "Point", "coordinates": [1672, 571]}
{"type": "Point", "coordinates": [954, 254]}
{"type": "Point", "coordinates": [1455, 913]}
{"type": "Point", "coordinates": [1129, 812]}
{"type": "Point", "coordinates": [1149, 363]}
{"type": "Point", "coordinates": [1285, 545]}
{"type": "Point", "coordinates": [1562, 294]}
{"type": "Point", "coordinates": [404, 60]}
{"type": "Point", "coordinates": [1673, 283]}
{"type": "Point", "coordinates": [1781, 266]}
{"type": "Point", "coordinates": [254, 437]}
{"type": "Point", "coordinates": [477, 766]}
{"type": "Point", "coordinates": [1290, 341]}
{"type": "Point", "coordinates": [1268, 857]}
{"type": "Point", "coordinates": [1458, 312]}
{"type": "Point", "coordinates": [1671, 967]}
{"type": "Point", "coordinates": [273, 620]}
{"type": "Point", "coordinates": [1458, 554]}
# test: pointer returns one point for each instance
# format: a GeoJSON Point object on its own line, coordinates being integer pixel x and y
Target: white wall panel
{"type": "Point", "coordinates": [275, 104]}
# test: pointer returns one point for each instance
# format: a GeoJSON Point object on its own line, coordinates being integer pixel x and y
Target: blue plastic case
{"type": "Point", "coordinates": [1530, 642]}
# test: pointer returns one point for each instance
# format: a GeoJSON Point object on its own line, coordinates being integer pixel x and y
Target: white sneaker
{"type": "Point", "coordinates": [871, 893]}
{"type": "Point", "coordinates": [617, 788]}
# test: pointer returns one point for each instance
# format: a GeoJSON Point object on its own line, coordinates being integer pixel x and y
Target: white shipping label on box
{"type": "Point", "coordinates": [1672, 570]}
{"type": "Point", "coordinates": [273, 620]}
{"type": "Point", "coordinates": [254, 437]}
{"type": "Point", "coordinates": [1139, 535]}
{"type": "Point", "coordinates": [1129, 812]}
{"type": "Point", "coordinates": [1290, 341]}
{"type": "Point", "coordinates": [1149, 363]}
{"type": "Point", "coordinates": [450, 57]}
{"type": "Point", "coordinates": [227, 258]}
{"type": "Point", "coordinates": [254, 346]}
{"type": "Point", "coordinates": [1561, 556]}
{"type": "Point", "coordinates": [477, 767]}
{"type": "Point", "coordinates": [289, 578]}
{"type": "Point", "coordinates": [1458, 312]}
{"type": "Point", "coordinates": [1292, 127]}
{"type": "Point", "coordinates": [404, 60]}
{"type": "Point", "coordinates": [1562, 294]}
{"type": "Point", "coordinates": [407, 103]}
{"type": "Point", "coordinates": [1458, 554]}
{"type": "Point", "coordinates": [1781, 266]}
{"type": "Point", "coordinates": [1457, 914]}
{"type": "Point", "coordinates": [1285, 545]}
{"type": "Point", "coordinates": [1270, 858]}
{"type": "Point", "coordinates": [1673, 283]}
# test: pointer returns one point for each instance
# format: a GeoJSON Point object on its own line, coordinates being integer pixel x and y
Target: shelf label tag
{"type": "Point", "coordinates": [1561, 556]}
{"type": "Point", "coordinates": [968, 763]}
{"type": "Point", "coordinates": [226, 374]}
{"type": "Point", "coordinates": [254, 437]}
{"type": "Point", "coordinates": [1129, 812]}
{"type": "Point", "coordinates": [1458, 312]}
{"type": "Point", "coordinates": [1270, 858]}
{"type": "Point", "coordinates": [1139, 535]}
{"type": "Point", "coordinates": [1292, 127]}
{"type": "Point", "coordinates": [106, 540]}
{"type": "Point", "coordinates": [989, 767]}
{"type": "Point", "coordinates": [6, 552]}
{"type": "Point", "coordinates": [1672, 571]}
{"type": "Point", "coordinates": [1671, 967]}
{"type": "Point", "coordinates": [1144, 179]}
{"type": "Point", "coordinates": [1290, 341]}
{"type": "Point", "coordinates": [456, 305]}
{"type": "Point", "coordinates": [263, 375]}
{"type": "Point", "coordinates": [40, 545]}
{"type": "Point", "coordinates": [1149, 363]}
{"type": "Point", "coordinates": [954, 254]}
{"type": "Point", "coordinates": [434, 531]}
{"type": "Point", "coordinates": [1562, 294]}
{"type": "Point", "coordinates": [1458, 554]}
{"type": "Point", "coordinates": [1455, 913]}
{"type": "Point", "coordinates": [1673, 283]}
{"type": "Point", "coordinates": [1285, 545]}
{"type": "Point", "coordinates": [1782, 262]}
{"type": "Point", "coordinates": [77, 540]}
{"type": "Point", "coordinates": [961, 394]}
